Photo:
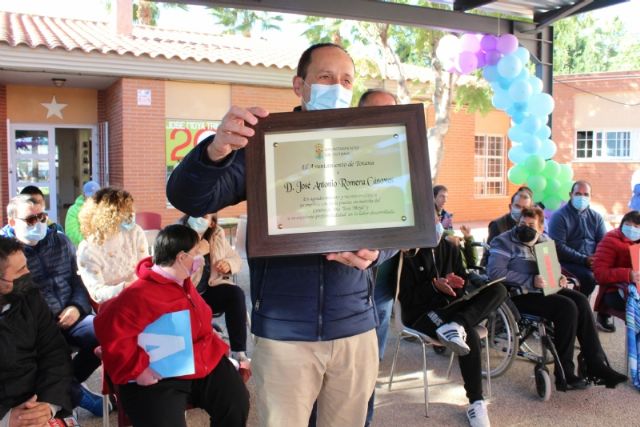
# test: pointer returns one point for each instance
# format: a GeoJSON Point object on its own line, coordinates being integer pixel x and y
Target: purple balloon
{"type": "Point", "coordinates": [469, 43]}
{"type": "Point", "coordinates": [507, 43]}
{"type": "Point", "coordinates": [492, 56]}
{"type": "Point", "coordinates": [482, 61]}
{"type": "Point", "coordinates": [488, 42]}
{"type": "Point", "coordinates": [466, 62]}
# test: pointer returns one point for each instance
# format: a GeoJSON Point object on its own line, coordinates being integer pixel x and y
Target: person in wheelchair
{"type": "Point", "coordinates": [431, 279]}
{"type": "Point", "coordinates": [512, 256]}
{"type": "Point", "coordinates": [612, 265]}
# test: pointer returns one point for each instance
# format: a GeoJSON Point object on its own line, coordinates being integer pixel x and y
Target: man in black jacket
{"type": "Point", "coordinates": [431, 280]}
{"type": "Point", "coordinates": [35, 367]}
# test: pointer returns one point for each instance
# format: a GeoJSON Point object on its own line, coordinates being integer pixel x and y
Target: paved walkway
{"type": "Point", "coordinates": [514, 401]}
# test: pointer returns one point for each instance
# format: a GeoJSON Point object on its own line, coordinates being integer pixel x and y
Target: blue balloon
{"type": "Point", "coordinates": [531, 144]}
{"type": "Point", "coordinates": [548, 149]}
{"type": "Point", "coordinates": [504, 82]}
{"type": "Point", "coordinates": [523, 54]}
{"type": "Point", "coordinates": [490, 73]}
{"type": "Point", "coordinates": [524, 75]}
{"type": "Point", "coordinates": [509, 66]}
{"type": "Point", "coordinates": [520, 90]}
{"type": "Point", "coordinates": [541, 104]}
{"type": "Point", "coordinates": [544, 132]}
{"type": "Point", "coordinates": [517, 134]}
{"type": "Point", "coordinates": [536, 84]}
{"type": "Point", "coordinates": [522, 107]}
{"type": "Point", "coordinates": [517, 154]}
{"type": "Point", "coordinates": [531, 124]}
{"type": "Point", "coordinates": [518, 117]}
{"type": "Point", "coordinates": [501, 100]}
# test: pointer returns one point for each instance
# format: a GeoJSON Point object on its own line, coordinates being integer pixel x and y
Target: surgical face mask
{"type": "Point", "coordinates": [632, 233]}
{"type": "Point", "coordinates": [515, 214]}
{"type": "Point", "coordinates": [35, 233]}
{"type": "Point", "coordinates": [439, 231]}
{"type": "Point", "coordinates": [129, 224]}
{"type": "Point", "coordinates": [526, 234]}
{"type": "Point", "coordinates": [198, 262]}
{"type": "Point", "coordinates": [199, 225]}
{"type": "Point", "coordinates": [580, 202]}
{"type": "Point", "coordinates": [325, 97]}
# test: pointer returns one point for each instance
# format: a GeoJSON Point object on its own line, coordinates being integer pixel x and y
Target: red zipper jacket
{"type": "Point", "coordinates": [123, 318]}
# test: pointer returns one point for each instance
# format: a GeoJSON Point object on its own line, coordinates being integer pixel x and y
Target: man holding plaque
{"type": "Point", "coordinates": [313, 315]}
{"type": "Point", "coordinates": [512, 256]}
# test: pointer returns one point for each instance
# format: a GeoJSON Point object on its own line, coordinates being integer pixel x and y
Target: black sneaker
{"type": "Point", "coordinates": [573, 383]}
{"type": "Point", "coordinates": [605, 323]}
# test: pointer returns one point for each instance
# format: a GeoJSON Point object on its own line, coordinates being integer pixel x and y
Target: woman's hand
{"type": "Point", "coordinates": [223, 267]}
{"type": "Point", "coordinates": [442, 285]}
{"type": "Point", "coordinates": [148, 377]}
{"type": "Point", "coordinates": [563, 281]}
{"type": "Point", "coordinates": [539, 282]}
{"type": "Point", "coordinates": [635, 277]}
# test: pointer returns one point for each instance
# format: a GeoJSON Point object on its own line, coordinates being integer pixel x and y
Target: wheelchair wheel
{"type": "Point", "coordinates": [503, 340]}
{"type": "Point", "coordinates": [543, 382]}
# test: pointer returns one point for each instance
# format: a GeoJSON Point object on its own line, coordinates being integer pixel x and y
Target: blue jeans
{"type": "Point", "coordinates": [383, 295]}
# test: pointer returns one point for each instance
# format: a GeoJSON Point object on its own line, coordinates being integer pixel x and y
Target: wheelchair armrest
{"type": "Point", "coordinates": [514, 289]}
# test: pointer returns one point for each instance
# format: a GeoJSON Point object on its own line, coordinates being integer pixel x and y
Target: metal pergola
{"type": "Point", "coordinates": [531, 21]}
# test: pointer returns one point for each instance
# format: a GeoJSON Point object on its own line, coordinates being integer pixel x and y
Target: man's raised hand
{"type": "Point", "coordinates": [232, 133]}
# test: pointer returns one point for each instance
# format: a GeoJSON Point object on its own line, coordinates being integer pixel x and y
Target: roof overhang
{"type": "Point", "coordinates": [43, 60]}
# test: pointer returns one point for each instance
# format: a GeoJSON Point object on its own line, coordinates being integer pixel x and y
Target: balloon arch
{"type": "Point", "coordinates": [519, 94]}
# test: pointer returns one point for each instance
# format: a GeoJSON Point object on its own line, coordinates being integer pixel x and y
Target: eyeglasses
{"type": "Point", "coordinates": [32, 220]}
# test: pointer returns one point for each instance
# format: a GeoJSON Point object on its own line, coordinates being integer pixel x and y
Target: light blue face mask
{"type": "Point", "coordinates": [580, 202]}
{"type": "Point", "coordinates": [515, 214]}
{"type": "Point", "coordinates": [129, 224]}
{"type": "Point", "coordinates": [632, 233]}
{"type": "Point", "coordinates": [325, 97]}
{"type": "Point", "coordinates": [36, 232]}
{"type": "Point", "coordinates": [199, 225]}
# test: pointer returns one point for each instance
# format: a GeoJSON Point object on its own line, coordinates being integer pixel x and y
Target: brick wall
{"type": "Point", "coordinates": [4, 160]}
{"type": "Point", "coordinates": [610, 181]}
{"type": "Point", "coordinates": [456, 171]}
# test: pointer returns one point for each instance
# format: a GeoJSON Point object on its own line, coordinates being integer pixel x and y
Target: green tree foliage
{"type": "Point", "coordinates": [584, 44]}
{"type": "Point", "coordinates": [244, 21]}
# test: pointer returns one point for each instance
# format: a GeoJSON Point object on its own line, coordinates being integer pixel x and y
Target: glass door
{"type": "Point", "coordinates": [33, 162]}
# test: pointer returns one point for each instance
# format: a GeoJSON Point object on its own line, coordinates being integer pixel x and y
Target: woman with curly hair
{"type": "Point", "coordinates": [113, 246]}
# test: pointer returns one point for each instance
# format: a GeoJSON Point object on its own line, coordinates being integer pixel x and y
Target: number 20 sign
{"type": "Point", "coordinates": [182, 135]}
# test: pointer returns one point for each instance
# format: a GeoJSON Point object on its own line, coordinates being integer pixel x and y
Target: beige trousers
{"type": "Point", "coordinates": [291, 375]}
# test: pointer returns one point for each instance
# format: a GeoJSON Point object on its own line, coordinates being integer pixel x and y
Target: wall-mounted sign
{"type": "Point", "coordinates": [144, 97]}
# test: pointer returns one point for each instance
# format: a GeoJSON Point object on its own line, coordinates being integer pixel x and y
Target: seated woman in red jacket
{"type": "Point", "coordinates": [164, 286]}
{"type": "Point", "coordinates": [612, 264]}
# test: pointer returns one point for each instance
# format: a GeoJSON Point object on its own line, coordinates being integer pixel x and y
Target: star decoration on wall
{"type": "Point", "coordinates": [53, 108]}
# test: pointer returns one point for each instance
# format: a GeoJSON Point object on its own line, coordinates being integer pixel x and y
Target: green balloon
{"type": "Point", "coordinates": [553, 187]}
{"type": "Point", "coordinates": [534, 164]}
{"type": "Point", "coordinates": [552, 202]}
{"type": "Point", "coordinates": [551, 169]}
{"type": "Point", "coordinates": [518, 174]}
{"type": "Point", "coordinates": [566, 173]}
{"type": "Point", "coordinates": [537, 184]}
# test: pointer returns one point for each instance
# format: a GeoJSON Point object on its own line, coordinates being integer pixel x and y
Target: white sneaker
{"type": "Point", "coordinates": [478, 415]}
{"type": "Point", "coordinates": [453, 336]}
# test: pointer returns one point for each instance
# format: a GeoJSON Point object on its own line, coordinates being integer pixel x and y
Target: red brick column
{"type": "Point", "coordinates": [4, 155]}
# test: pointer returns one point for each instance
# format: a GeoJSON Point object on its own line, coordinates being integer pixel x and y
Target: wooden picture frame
{"type": "Point", "coordinates": [339, 180]}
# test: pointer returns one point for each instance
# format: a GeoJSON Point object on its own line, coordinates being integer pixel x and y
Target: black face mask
{"type": "Point", "coordinates": [20, 285]}
{"type": "Point", "coordinates": [525, 233]}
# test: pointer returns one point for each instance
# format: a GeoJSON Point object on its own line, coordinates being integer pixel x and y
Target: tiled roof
{"type": "Point", "coordinates": [99, 37]}
{"type": "Point", "coordinates": [18, 29]}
